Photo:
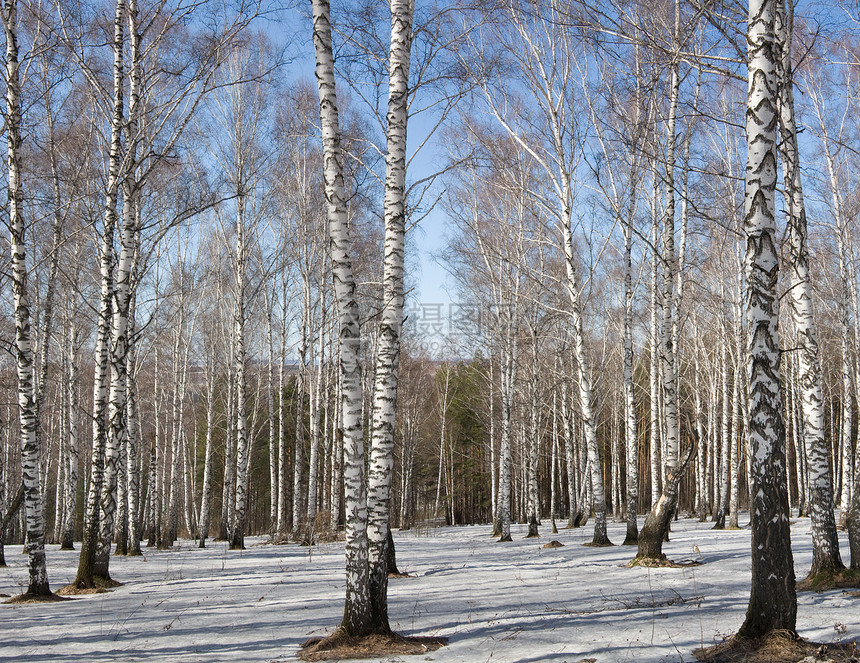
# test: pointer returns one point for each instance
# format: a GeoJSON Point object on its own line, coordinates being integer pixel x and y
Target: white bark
{"type": "Point", "coordinates": [825, 543]}
{"type": "Point", "coordinates": [30, 453]}
{"type": "Point", "coordinates": [90, 544]}
{"type": "Point", "coordinates": [357, 610]}
{"type": "Point", "coordinates": [773, 602]}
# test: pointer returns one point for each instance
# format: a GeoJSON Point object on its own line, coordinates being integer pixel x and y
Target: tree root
{"type": "Point", "coordinates": [660, 563]}
{"type": "Point", "coordinates": [829, 579]}
{"type": "Point", "coordinates": [340, 646]}
{"type": "Point", "coordinates": [100, 586]}
{"type": "Point", "coordinates": [37, 598]}
{"type": "Point", "coordinates": [776, 647]}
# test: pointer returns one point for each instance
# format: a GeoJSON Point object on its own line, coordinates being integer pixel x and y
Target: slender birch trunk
{"type": "Point", "coordinates": [725, 440]}
{"type": "Point", "coordinates": [315, 421]}
{"type": "Point", "coordinates": [358, 618]}
{"type": "Point", "coordinates": [85, 577]}
{"type": "Point", "coordinates": [228, 492]}
{"type": "Point", "coordinates": [567, 413]}
{"type": "Point", "coordinates": [531, 440]}
{"type": "Point", "coordinates": [656, 527]}
{"type": "Point", "coordinates": [281, 528]}
{"type": "Point", "coordinates": [630, 434]}
{"type": "Point", "coordinates": [132, 441]}
{"type": "Point", "coordinates": [73, 418]}
{"type": "Point", "coordinates": [30, 454]}
{"type": "Point", "coordinates": [509, 361]}
{"type": "Point", "coordinates": [386, 374]}
{"type": "Point", "coordinates": [206, 498]}
{"type": "Point", "coordinates": [653, 341]}
{"type": "Point", "coordinates": [735, 446]}
{"type": "Point", "coordinates": [702, 450]}
{"type": "Point", "coordinates": [270, 410]}
{"type": "Point", "coordinates": [825, 542]}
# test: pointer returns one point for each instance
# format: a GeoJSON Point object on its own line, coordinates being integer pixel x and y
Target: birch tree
{"type": "Point", "coordinates": [825, 551]}
{"type": "Point", "coordinates": [38, 586]}
{"type": "Point", "coordinates": [773, 601]}
{"type": "Point", "coordinates": [386, 373]}
{"type": "Point", "coordinates": [358, 618]}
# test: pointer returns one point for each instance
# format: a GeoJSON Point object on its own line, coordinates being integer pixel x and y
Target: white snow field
{"type": "Point", "coordinates": [496, 602]}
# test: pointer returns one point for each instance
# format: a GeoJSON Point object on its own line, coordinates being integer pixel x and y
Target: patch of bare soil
{"type": "Point", "coordinates": [778, 647]}
{"type": "Point", "coordinates": [22, 599]}
{"type": "Point", "coordinates": [553, 544]}
{"type": "Point", "coordinates": [399, 575]}
{"type": "Point", "coordinates": [825, 580]}
{"type": "Point", "coordinates": [101, 587]}
{"type": "Point", "coordinates": [339, 646]}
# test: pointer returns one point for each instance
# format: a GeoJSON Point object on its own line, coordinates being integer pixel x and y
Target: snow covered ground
{"type": "Point", "coordinates": [496, 602]}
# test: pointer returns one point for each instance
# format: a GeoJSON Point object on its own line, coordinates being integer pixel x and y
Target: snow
{"type": "Point", "coordinates": [496, 602]}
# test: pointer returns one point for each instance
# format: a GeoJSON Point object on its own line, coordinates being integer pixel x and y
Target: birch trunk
{"type": "Point", "coordinates": [725, 441]}
{"type": "Point", "coordinates": [630, 435]}
{"type": "Point", "coordinates": [386, 373]}
{"type": "Point", "coordinates": [825, 542]}
{"type": "Point", "coordinates": [206, 498]}
{"type": "Point", "coordinates": [531, 440]}
{"type": "Point", "coordinates": [358, 615]}
{"type": "Point", "coordinates": [85, 577]}
{"type": "Point", "coordinates": [567, 413]}
{"type": "Point", "coordinates": [654, 360]}
{"type": "Point", "coordinates": [132, 442]}
{"type": "Point", "coordinates": [315, 418]}
{"type": "Point", "coordinates": [270, 408]}
{"type": "Point", "coordinates": [656, 527]}
{"type": "Point", "coordinates": [773, 601]}
{"type": "Point", "coordinates": [507, 376]}
{"type": "Point", "coordinates": [281, 528]}
{"type": "Point", "coordinates": [30, 454]}
{"type": "Point", "coordinates": [73, 418]}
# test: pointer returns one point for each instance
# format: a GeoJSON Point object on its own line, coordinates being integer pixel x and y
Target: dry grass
{"type": "Point", "coordinates": [825, 580]}
{"type": "Point", "coordinates": [101, 586]}
{"type": "Point", "coordinates": [340, 646]}
{"type": "Point", "coordinates": [777, 647]}
{"type": "Point", "coordinates": [664, 563]}
{"type": "Point", "coordinates": [23, 599]}
{"type": "Point", "coordinates": [553, 544]}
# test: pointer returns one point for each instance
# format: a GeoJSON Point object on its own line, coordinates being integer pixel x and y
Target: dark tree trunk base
{"type": "Point", "coordinates": [775, 647]}
{"type": "Point", "coordinates": [822, 580]}
{"type": "Point", "coordinates": [237, 541]}
{"type": "Point", "coordinates": [655, 531]}
{"type": "Point", "coordinates": [340, 646]}
{"type": "Point", "coordinates": [505, 539]}
{"type": "Point", "coordinates": [391, 557]}
{"type": "Point", "coordinates": [533, 529]}
{"type": "Point", "coordinates": [632, 539]}
{"type": "Point", "coordinates": [66, 546]}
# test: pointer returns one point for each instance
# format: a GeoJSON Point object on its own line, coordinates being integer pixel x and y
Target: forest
{"type": "Point", "coordinates": [222, 322]}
